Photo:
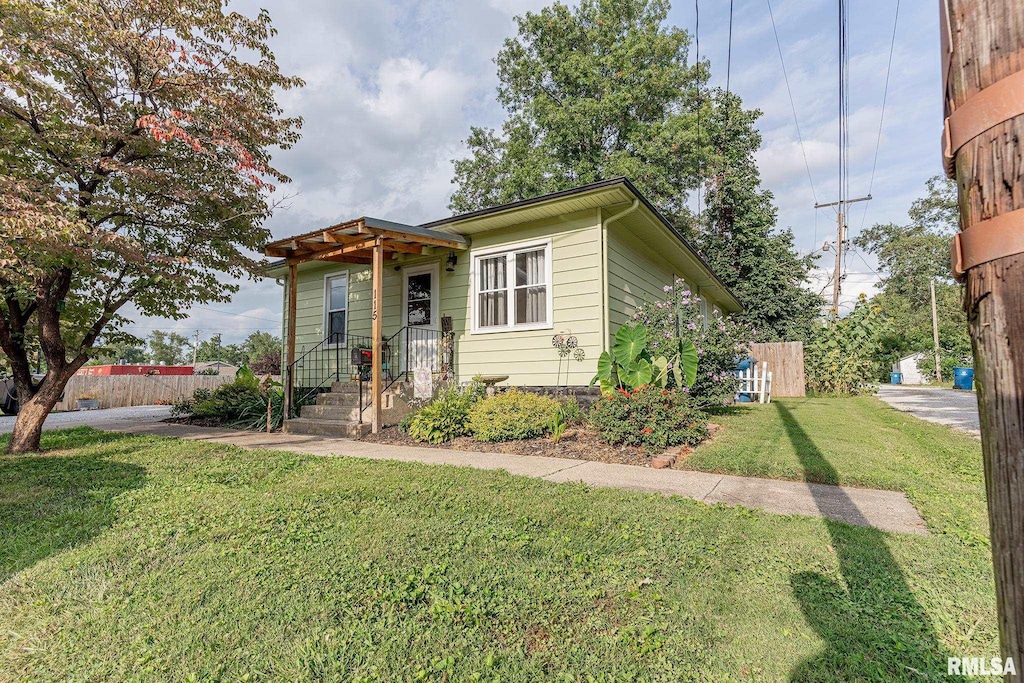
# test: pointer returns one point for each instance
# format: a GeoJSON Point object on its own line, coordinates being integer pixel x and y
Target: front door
{"type": "Point", "coordinates": [420, 316]}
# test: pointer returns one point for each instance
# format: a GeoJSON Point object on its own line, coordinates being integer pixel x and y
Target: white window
{"type": "Point", "coordinates": [512, 289]}
{"type": "Point", "coordinates": [336, 308]}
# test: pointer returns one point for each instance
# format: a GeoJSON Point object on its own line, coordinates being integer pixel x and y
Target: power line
{"type": "Point", "coordinates": [881, 117]}
{"type": "Point", "coordinates": [728, 60]}
{"type": "Point", "coordinates": [236, 315]}
{"type": "Point", "coordinates": [792, 105]}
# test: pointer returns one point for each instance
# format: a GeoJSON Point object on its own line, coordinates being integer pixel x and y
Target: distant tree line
{"type": "Point", "coordinates": [261, 351]}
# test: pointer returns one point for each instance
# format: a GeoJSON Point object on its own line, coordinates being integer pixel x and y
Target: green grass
{"type": "Point", "coordinates": [140, 558]}
{"type": "Point", "coordinates": [857, 442]}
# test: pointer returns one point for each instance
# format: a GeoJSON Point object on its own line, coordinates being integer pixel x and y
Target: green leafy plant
{"type": "Point", "coordinates": [512, 416]}
{"type": "Point", "coordinates": [444, 418]}
{"type": "Point", "coordinates": [572, 412]}
{"type": "Point", "coordinates": [557, 425]}
{"type": "Point", "coordinates": [241, 404]}
{"type": "Point", "coordinates": [630, 365]}
{"type": "Point", "coordinates": [649, 417]}
{"type": "Point", "coordinates": [842, 358]}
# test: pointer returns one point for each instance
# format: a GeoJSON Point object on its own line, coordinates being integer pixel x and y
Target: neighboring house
{"type": "Point", "coordinates": [909, 366]}
{"type": "Point", "coordinates": [216, 367]}
{"type": "Point", "coordinates": [498, 283]}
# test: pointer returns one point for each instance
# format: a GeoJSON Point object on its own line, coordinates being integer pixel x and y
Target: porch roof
{"type": "Point", "coordinates": [352, 241]}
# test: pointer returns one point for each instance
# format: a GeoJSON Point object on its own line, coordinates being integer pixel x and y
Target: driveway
{"type": "Point", "coordinates": [957, 409]}
{"type": "Point", "coordinates": [108, 418]}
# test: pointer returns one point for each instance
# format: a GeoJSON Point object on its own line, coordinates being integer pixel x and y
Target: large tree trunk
{"type": "Point", "coordinates": [28, 427]}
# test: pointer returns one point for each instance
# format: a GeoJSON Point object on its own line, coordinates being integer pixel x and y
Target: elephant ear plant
{"type": "Point", "coordinates": [630, 366]}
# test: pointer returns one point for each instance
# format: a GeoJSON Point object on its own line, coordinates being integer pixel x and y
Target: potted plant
{"type": "Point", "coordinates": [88, 401]}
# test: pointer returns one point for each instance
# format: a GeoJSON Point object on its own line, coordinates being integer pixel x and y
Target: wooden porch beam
{"type": "Point", "coordinates": [289, 380]}
{"type": "Point", "coordinates": [377, 332]}
{"type": "Point", "coordinates": [421, 239]}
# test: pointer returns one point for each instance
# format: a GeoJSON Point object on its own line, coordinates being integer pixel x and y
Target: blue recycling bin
{"type": "Point", "coordinates": [895, 378]}
{"type": "Point", "coordinates": [963, 378]}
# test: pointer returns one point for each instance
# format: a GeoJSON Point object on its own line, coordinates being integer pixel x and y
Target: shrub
{"type": "Point", "coordinates": [720, 341]}
{"type": "Point", "coordinates": [841, 358]}
{"type": "Point", "coordinates": [512, 416]}
{"type": "Point", "coordinates": [650, 417]}
{"type": "Point", "coordinates": [572, 412]}
{"type": "Point", "coordinates": [241, 403]}
{"type": "Point", "coordinates": [444, 418]}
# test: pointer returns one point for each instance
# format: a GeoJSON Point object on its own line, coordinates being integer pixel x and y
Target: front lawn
{"type": "Point", "coordinates": [857, 442]}
{"type": "Point", "coordinates": [145, 558]}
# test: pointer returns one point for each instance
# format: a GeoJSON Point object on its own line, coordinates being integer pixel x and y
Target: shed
{"type": "Point", "coordinates": [910, 367]}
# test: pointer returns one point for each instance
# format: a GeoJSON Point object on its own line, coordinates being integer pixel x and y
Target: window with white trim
{"type": "Point", "coordinates": [336, 308]}
{"type": "Point", "coordinates": [511, 289]}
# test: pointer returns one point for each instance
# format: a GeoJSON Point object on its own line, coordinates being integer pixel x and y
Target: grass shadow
{"type": "Point", "coordinates": [873, 626]}
{"type": "Point", "coordinates": [52, 502]}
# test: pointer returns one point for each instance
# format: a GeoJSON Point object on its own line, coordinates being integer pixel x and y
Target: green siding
{"type": "Point", "coordinates": [635, 275]}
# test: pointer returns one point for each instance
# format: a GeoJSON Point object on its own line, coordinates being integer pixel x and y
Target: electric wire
{"type": "Point", "coordinates": [792, 104]}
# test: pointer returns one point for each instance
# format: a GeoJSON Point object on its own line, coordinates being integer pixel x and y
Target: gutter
{"type": "Point", "coordinates": [605, 312]}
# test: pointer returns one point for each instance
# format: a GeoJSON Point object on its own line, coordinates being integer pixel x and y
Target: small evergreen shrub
{"type": "Point", "coordinates": [512, 416]}
{"type": "Point", "coordinates": [444, 418]}
{"type": "Point", "coordinates": [572, 412]}
{"type": "Point", "coordinates": [650, 417]}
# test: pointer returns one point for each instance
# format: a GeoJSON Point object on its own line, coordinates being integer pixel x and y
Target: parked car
{"type": "Point", "coordinates": [9, 396]}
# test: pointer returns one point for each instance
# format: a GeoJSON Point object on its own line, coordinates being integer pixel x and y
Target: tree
{"type": "Point", "coordinates": [115, 353]}
{"type": "Point", "coordinates": [260, 345]}
{"type": "Point", "coordinates": [169, 348]}
{"type": "Point", "coordinates": [605, 90]}
{"type": "Point", "coordinates": [594, 92]}
{"type": "Point", "coordinates": [135, 142]}
{"type": "Point", "coordinates": [215, 349]}
{"type": "Point", "coordinates": [737, 234]}
{"type": "Point", "coordinates": [909, 257]}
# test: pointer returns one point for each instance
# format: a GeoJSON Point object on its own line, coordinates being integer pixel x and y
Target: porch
{"type": "Point", "coordinates": [370, 364]}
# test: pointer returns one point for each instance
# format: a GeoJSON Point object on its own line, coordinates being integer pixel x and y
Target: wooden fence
{"type": "Point", "coordinates": [786, 363]}
{"type": "Point", "coordinates": [120, 391]}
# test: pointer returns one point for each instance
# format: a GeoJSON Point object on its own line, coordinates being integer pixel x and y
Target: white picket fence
{"type": "Point", "coordinates": [756, 385]}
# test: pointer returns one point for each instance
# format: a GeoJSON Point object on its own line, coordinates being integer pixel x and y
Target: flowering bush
{"type": "Point", "coordinates": [649, 417]}
{"type": "Point", "coordinates": [720, 341]}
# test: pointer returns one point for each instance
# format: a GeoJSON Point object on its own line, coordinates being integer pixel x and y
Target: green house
{"type": "Point", "coordinates": [482, 293]}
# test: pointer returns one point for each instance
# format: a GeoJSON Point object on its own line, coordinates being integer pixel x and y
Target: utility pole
{"type": "Point", "coordinates": [840, 240]}
{"type": "Point", "coordinates": [195, 351]}
{"type": "Point", "coordinates": [983, 142]}
{"type": "Point", "coordinates": [935, 332]}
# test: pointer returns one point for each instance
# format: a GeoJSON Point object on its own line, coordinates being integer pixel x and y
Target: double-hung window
{"type": "Point", "coordinates": [336, 308]}
{"type": "Point", "coordinates": [512, 289]}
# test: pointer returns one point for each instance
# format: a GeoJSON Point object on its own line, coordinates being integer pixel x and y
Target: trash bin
{"type": "Point", "coordinates": [963, 378]}
{"type": "Point", "coordinates": [895, 378]}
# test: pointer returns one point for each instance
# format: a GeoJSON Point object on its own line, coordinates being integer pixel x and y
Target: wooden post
{"type": "Point", "coordinates": [935, 333]}
{"type": "Point", "coordinates": [289, 356]}
{"type": "Point", "coordinates": [377, 318]}
{"type": "Point", "coordinates": [983, 57]}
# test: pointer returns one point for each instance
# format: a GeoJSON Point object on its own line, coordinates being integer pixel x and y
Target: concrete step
{"type": "Point", "coordinates": [331, 411]}
{"type": "Point", "coordinates": [348, 387]}
{"type": "Point", "coordinates": [341, 399]}
{"type": "Point", "coordinates": [320, 427]}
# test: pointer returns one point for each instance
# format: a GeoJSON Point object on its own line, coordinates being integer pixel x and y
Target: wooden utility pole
{"type": "Point", "coordinates": [935, 333]}
{"type": "Point", "coordinates": [837, 276]}
{"type": "Point", "coordinates": [289, 354]}
{"type": "Point", "coordinates": [983, 144]}
{"type": "Point", "coordinates": [195, 351]}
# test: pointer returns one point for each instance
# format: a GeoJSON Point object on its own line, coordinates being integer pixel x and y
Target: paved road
{"type": "Point", "coordinates": [957, 409]}
{"type": "Point", "coordinates": [109, 418]}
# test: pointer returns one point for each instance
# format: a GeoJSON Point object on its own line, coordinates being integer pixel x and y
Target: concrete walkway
{"type": "Point", "coordinates": [885, 510]}
{"type": "Point", "coordinates": [956, 409]}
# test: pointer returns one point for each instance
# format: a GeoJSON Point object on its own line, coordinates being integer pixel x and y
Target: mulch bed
{"type": "Point", "coordinates": [576, 444]}
{"type": "Point", "coordinates": [196, 421]}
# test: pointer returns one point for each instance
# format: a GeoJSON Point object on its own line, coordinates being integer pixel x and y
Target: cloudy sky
{"type": "Point", "coordinates": [393, 87]}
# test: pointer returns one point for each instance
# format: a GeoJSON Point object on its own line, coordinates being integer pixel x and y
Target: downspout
{"type": "Point", "coordinates": [605, 310]}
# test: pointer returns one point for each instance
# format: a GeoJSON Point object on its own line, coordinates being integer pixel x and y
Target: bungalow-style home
{"type": "Point", "coordinates": [375, 309]}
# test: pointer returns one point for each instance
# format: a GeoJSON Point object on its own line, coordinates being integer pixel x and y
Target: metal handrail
{"type": "Point", "coordinates": [328, 362]}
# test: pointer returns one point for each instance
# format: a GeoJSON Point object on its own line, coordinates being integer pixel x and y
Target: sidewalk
{"type": "Point", "coordinates": [884, 510]}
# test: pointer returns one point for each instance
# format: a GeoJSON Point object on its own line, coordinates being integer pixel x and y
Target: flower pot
{"type": "Point", "coordinates": [88, 403]}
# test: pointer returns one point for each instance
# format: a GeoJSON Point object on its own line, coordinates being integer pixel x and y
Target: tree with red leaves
{"type": "Point", "coordinates": [135, 141]}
